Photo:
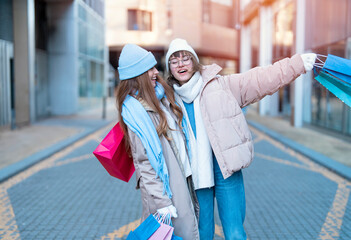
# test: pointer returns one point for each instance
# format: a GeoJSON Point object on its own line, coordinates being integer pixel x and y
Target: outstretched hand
{"type": "Point", "coordinates": [308, 60]}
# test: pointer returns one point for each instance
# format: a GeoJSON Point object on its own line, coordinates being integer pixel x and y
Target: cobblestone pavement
{"type": "Point", "coordinates": [71, 196]}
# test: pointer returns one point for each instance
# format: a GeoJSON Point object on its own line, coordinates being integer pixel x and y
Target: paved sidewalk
{"type": "Point", "coordinates": [26, 146]}
{"type": "Point", "coordinates": [70, 195]}
{"type": "Point", "coordinates": [328, 149]}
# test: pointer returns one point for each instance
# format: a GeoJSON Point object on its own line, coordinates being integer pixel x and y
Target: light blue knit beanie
{"type": "Point", "coordinates": [134, 61]}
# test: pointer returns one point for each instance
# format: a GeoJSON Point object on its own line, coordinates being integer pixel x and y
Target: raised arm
{"type": "Point", "coordinates": [251, 86]}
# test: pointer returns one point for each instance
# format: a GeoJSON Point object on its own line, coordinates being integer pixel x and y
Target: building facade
{"type": "Point", "coordinates": [208, 26]}
{"type": "Point", "coordinates": [274, 29]}
{"type": "Point", "coordinates": [53, 58]}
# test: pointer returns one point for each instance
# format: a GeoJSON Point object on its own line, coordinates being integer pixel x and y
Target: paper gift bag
{"type": "Point", "coordinates": [339, 67]}
{"type": "Point", "coordinates": [112, 154]}
{"type": "Point", "coordinates": [145, 230]}
{"type": "Point", "coordinates": [174, 237]}
{"type": "Point", "coordinates": [164, 232]}
{"type": "Point", "coordinates": [335, 86]}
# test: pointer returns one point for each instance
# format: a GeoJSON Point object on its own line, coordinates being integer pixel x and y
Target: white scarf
{"type": "Point", "coordinates": [178, 140]}
{"type": "Point", "coordinates": [201, 151]}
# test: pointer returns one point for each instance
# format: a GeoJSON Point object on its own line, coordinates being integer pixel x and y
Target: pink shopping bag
{"type": "Point", "coordinates": [164, 232]}
{"type": "Point", "coordinates": [112, 154]}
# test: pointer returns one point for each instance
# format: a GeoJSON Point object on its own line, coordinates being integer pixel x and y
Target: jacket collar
{"type": "Point", "coordinates": [148, 108]}
{"type": "Point", "coordinates": [209, 72]}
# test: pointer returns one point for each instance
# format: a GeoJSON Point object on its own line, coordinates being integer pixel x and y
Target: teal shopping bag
{"type": "Point", "coordinates": [339, 88]}
{"type": "Point", "coordinates": [145, 230]}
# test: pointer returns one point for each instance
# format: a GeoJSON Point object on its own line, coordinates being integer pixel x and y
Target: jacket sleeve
{"type": "Point", "coordinates": [146, 174]}
{"type": "Point", "coordinates": [251, 86]}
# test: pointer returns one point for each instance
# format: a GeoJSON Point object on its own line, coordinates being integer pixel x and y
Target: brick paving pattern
{"type": "Point", "coordinates": [71, 196]}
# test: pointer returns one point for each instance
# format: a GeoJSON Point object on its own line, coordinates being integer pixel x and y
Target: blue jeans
{"type": "Point", "coordinates": [230, 196]}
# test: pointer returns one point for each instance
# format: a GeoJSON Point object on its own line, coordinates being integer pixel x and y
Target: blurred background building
{"type": "Point", "coordinates": [53, 58]}
{"type": "Point", "coordinates": [239, 35]}
{"type": "Point", "coordinates": [272, 30]}
{"type": "Point", "coordinates": [208, 26]}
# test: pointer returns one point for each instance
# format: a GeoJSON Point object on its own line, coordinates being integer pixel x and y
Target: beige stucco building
{"type": "Point", "coordinates": [208, 26]}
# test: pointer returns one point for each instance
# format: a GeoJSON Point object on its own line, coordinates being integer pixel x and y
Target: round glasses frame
{"type": "Point", "coordinates": [175, 62]}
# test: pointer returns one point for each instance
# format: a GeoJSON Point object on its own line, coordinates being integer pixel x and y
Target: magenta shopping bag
{"type": "Point", "coordinates": [112, 154]}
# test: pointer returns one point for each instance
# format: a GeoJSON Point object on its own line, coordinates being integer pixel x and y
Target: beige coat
{"type": "Point", "coordinates": [222, 98]}
{"type": "Point", "coordinates": [185, 225]}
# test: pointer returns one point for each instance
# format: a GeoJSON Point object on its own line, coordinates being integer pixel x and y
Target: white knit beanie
{"type": "Point", "coordinates": [176, 45]}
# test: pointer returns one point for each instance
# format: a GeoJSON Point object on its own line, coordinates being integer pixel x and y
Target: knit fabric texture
{"type": "Point", "coordinates": [134, 61]}
{"type": "Point", "coordinates": [179, 44]}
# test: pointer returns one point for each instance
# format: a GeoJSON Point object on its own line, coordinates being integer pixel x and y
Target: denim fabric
{"type": "Point", "coordinates": [230, 196]}
{"type": "Point", "coordinates": [205, 197]}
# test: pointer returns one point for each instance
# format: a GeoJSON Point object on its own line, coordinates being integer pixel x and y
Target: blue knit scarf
{"type": "Point", "coordinates": [137, 119]}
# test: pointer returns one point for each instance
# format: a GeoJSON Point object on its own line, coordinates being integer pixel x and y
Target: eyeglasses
{"type": "Point", "coordinates": [175, 62]}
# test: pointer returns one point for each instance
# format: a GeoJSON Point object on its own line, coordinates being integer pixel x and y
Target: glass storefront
{"type": "Point", "coordinates": [91, 43]}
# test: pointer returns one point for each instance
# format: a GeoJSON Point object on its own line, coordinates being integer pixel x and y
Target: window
{"type": "Point", "coordinates": [139, 20]}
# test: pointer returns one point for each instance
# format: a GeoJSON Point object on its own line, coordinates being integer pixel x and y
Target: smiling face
{"type": "Point", "coordinates": [181, 67]}
{"type": "Point", "coordinates": [153, 75]}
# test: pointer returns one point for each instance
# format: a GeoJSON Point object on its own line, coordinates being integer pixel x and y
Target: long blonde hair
{"type": "Point", "coordinates": [144, 89]}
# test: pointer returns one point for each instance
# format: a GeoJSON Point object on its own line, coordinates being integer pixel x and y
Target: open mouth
{"type": "Point", "coordinates": [182, 71]}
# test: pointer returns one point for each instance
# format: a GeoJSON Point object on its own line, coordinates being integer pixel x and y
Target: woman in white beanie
{"type": "Point", "coordinates": [220, 140]}
{"type": "Point", "coordinates": [156, 135]}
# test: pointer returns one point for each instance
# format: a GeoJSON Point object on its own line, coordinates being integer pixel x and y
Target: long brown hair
{"type": "Point", "coordinates": [196, 66]}
{"type": "Point", "coordinates": [146, 92]}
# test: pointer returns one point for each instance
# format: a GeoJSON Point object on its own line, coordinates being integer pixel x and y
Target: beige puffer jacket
{"type": "Point", "coordinates": [222, 98]}
{"type": "Point", "coordinates": [185, 225]}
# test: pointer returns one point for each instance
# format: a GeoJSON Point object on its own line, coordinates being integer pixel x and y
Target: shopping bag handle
{"type": "Point", "coordinates": [319, 61]}
{"type": "Point", "coordinates": [165, 218]}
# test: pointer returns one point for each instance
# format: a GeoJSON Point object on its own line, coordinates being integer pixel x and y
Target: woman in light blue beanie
{"type": "Point", "coordinates": [156, 135]}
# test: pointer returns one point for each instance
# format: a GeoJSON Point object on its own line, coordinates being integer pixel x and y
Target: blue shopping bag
{"type": "Point", "coordinates": [174, 237]}
{"type": "Point", "coordinates": [145, 229]}
{"type": "Point", "coordinates": [339, 67]}
{"type": "Point", "coordinates": [335, 75]}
